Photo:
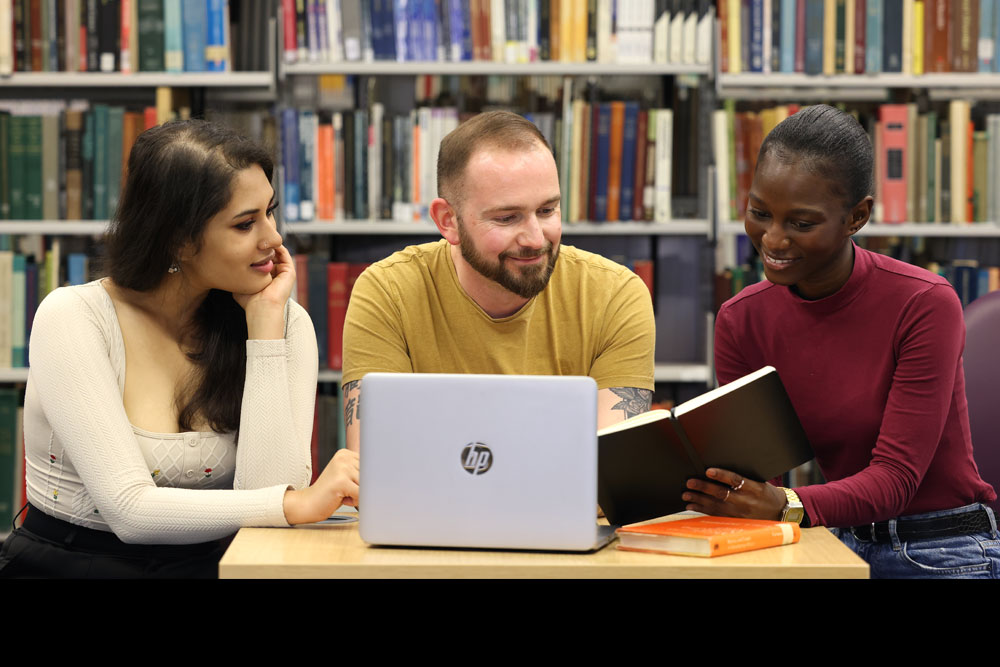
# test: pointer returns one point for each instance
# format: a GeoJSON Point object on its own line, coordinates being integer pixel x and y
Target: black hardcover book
{"type": "Point", "coordinates": [108, 35]}
{"type": "Point", "coordinates": [748, 426]}
{"type": "Point", "coordinates": [892, 35]}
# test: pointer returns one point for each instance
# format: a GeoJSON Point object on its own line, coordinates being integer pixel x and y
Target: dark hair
{"type": "Point", "coordinates": [503, 130]}
{"type": "Point", "coordinates": [180, 174]}
{"type": "Point", "coordinates": [828, 142]}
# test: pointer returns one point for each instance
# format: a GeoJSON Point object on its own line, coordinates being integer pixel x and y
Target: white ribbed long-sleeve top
{"type": "Point", "coordinates": [86, 464]}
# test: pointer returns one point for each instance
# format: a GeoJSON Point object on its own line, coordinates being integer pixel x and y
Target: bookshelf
{"type": "Point", "coordinates": [83, 80]}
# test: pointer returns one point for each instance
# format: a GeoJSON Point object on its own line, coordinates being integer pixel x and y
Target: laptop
{"type": "Point", "coordinates": [479, 461]}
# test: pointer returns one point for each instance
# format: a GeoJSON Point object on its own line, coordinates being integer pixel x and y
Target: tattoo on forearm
{"type": "Point", "coordinates": [352, 405]}
{"type": "Point", "coordinates": [634, 401]}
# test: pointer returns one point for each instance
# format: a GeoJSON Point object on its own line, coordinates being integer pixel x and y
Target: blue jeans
{"type": "Point", "coordinates": [975, 556]}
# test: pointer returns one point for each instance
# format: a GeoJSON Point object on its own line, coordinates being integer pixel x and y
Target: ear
{"type": "Point", "coordinates": [446, 219]}
{"type": "Point", "coordinates": [186, 252]}
{"type": "Point", "coordinates": [860, 215]}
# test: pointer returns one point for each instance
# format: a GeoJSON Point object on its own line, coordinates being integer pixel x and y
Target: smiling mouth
{"type": "Point", "coordinates": [777, 261]}
{"type": "Point", "coordinates": [264, 261]}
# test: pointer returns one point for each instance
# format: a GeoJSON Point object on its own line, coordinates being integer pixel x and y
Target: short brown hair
{"type": "Point", "coordinates": [502, 130]}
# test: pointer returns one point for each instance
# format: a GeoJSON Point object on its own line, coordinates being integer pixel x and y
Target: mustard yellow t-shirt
{"type": "Point", "coordinates": [408, 313]}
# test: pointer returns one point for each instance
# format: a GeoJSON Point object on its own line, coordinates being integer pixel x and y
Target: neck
{"type": "Point", "coordinates": [171, 304]}
{"type": "Point", "coordinates": [496, 301]}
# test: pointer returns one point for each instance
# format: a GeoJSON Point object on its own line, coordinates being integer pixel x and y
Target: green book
{"type": "Point", "coordinates": [18, 167]}
{"type": "Point", "coordinates": [87, 167]}
{"type": "Point", "coordinates": [5, 165]}
{"type": "Point", "coordinates": [151, 20]}
{"type": "Point", "coordinates": [100, 162]}
{"type": "Point", "coordinates": [116, 119]}
{"type": "Point", "coordinates": [9, 465]}
{"type": "Point", "coordinates": [32, 167]}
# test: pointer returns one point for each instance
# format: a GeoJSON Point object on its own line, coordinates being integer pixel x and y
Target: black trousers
{"type": "Point", "coordinates": [47, 547]}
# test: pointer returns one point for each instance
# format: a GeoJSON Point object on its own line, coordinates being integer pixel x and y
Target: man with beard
{"type": "Point", "coordinates": [498, 294]}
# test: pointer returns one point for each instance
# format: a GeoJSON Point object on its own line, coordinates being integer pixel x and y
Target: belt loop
{"type": "Point", "coordinates": [893, 537]}
{"type": "Point", "coordinates": [993, 520]}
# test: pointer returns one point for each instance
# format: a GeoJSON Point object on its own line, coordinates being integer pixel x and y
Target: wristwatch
{"type": "Point", "coordinates": [793, 512]}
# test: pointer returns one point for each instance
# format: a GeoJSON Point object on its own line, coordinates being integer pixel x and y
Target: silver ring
{"type": "Point", "coordinates": [727, 496]}
{"type": "Point", "coordinates": [736, 489]}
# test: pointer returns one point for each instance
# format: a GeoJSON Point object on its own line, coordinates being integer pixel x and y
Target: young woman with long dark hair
{"type": "Point", "coordinates": [171, 402]}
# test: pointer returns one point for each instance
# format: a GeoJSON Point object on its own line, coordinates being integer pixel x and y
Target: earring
{"type": "Point", "coordinates": [173, 268]}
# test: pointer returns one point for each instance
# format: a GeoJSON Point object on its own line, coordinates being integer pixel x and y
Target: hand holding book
{"type": "Point", "coordinates": [726, 493]}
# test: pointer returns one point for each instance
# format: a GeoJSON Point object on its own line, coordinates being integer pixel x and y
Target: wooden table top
{"type": "Point", "coordinates": [337, 551]}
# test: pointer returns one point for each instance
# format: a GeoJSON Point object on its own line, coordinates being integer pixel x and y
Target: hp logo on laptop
{"type": "Point", "coordinates": [476, 458]}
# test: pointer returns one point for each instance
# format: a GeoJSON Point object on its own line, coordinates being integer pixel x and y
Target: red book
{"type": "Point", "coordinates": [615, 159]}
{"type": "Point", "coordinates": [860, 22]}
{"type": "Point", "coordinates": [149, 117]}
{"type": "Point", "coordinates": [641, 139]}
{"type": "Point", "coordinates": [723, 14]}
{"type": "Point", "coordinates": [290, 43]}
{"type": "Point", "coordinates": [892, 162]}
{"type": "Point", "coordinates": [800, 36]}
{"type": "Point", "coordinates": [336, 280]}
{"type": "Point", "coordinates": [644, 269]}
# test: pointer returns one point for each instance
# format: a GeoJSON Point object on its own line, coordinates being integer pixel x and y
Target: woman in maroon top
{"type": "Point", "coordinates": [870, 351]}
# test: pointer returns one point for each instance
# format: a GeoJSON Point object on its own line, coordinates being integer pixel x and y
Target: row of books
{"type": "Point", "coordinates": [615, 159]}
{"type": "Point", "coordinates": [65, 162]}
{"type": "Point", "coordinates": [859, 36]}
{"type": "Point", "coordinates": [12, 487]}
{"type": "Point", "coordinates": [132, 35]}
{"type": "Point", "coordinates": [929, 167]}
{"type": "Point", "coordinates": [509, 31]}
{"type": "Point", "coordinates": [323, 288]}
{"type": "Point", "coordinates": [27, 275]}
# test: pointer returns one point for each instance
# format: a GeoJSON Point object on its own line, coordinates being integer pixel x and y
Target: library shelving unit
{"type": "Point", "coordinates": [701, 227]}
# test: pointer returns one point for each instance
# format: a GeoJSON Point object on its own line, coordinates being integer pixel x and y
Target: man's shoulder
{"type": "Point", "coordinates": [582, 263]}
{"type": "Point", "coordinates": [403, 266]}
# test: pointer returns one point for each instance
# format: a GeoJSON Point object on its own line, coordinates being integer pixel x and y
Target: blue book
{"type": "Point", "coordinates": [77, 268]}
{"type": "Point", "coordinates": [30, 303]}
{"type": "Point", "coordinates": [378, 30]}
{"type": "Point", "coordinates": [603, 158]}
{"type": "Point", "coordinates": [18, 300]}
{"type": "Point", "coordinates": [173, 36]}
{"type": "Point", "coordinates": [629, 131]}
{"type": "Point", "coordinates": [388, 30]}
{"type": "Point", "coordinates": [873, 37]}
{"type": "Point", "coordinates": [756, 36]}
{"type": "Point", "coordinates": [982, 288]}
{"type": "Point", "coordinates": [892, 35]}
{"type": "Point", "coordinates": [402, 32]}
{"type": "Point", "coordinates": [215, 36]}
{"type": "Point", "coordinates": [307, 154]}
{"type": "Point", "coordinates": [987, 35]}
{"type": "Point", "coordinates": [429, 23]}
{"type": "Point", "coordinates": [193, 18]}
{"type": "Point", "coordinates": [458, 28]}
{"type": "Point", "coordinates": [290, 161]}
{"type": "Point", "coordinates": [414, 34]}
{"type": "Point", "coordinates": [787, 58]}
{"type": "Point", "coordinates": [814, 36]}
{"type": "Point", "coordinates": [965, 279]}
{"type": "Point", "coordinates": [467, 33]}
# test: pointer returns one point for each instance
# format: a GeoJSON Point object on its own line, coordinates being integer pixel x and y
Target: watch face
{"type": "Point", "coordinates": [794, 514]}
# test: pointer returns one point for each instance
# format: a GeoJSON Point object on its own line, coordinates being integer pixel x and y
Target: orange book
{"type": "Point", "coordinates": [617, 136]}
{"type": "Point", "coordinates": [134, 124]}
{"type": "Point", "coordinates": [707, 536]}
{"type": "Point", "coordinates": [324, 172]}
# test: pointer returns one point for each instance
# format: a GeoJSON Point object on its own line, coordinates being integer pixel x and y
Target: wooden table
{"type": "Point", "coordinates": [336, 551]}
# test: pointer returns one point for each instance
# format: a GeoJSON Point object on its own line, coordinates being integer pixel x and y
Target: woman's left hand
{"type": "Point", "coordinates": [266, 309]}
{"type": "Point", "coordinates": [730, 494]}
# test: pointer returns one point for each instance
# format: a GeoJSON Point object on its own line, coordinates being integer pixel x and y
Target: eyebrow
{"type": "Point", "coordinates": [254, 210]}
{"type": "Point", "coordinates": [512, 207]}
{"type": "Point", "coordinates": [794, 211]}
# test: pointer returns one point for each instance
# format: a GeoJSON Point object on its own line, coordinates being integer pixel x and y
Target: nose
{"type": "Point", "coordinates": [775, 237]}
{"type": "Point", "coordinates": [531, 235]}
{"type": "Point", "coordinates": [270, 238]}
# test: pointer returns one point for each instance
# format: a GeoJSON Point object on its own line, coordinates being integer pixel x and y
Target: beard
{"type": "Point", "coordinates": [525, 281]}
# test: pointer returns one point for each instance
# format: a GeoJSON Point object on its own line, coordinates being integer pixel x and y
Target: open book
{"type": "Point", "coordinates": [748, 426]}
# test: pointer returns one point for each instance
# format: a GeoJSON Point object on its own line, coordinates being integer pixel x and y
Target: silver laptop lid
{"type": "Point", "coordinates": [497, 461]}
